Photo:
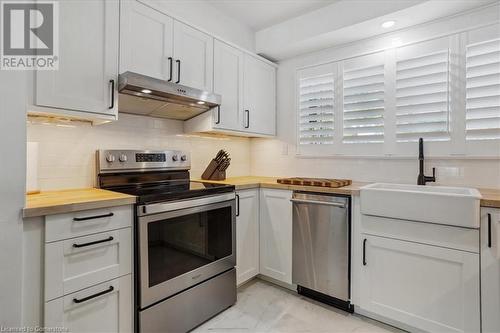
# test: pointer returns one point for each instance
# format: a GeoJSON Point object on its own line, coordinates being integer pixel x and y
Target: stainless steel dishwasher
{"type": "Point", "coordinates": [321, 247]}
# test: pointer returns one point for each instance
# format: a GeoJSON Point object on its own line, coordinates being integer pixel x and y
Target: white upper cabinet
{"type": "Point", "coordinates": [228, 82]}
{"type": "Point", "coordinates": [259, 101]}
{"type": "Point", "coordinates": [193, 53]}
{"type": "Point", "coordinates": [88, 59]}
{"type": "Point", "coordinates": [146, 37]}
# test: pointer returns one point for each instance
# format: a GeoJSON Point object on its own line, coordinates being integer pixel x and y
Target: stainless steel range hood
{"type": "Point", "coordinates": [147, 96]}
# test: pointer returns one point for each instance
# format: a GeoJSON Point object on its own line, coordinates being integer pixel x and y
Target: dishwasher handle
{"type": "Point", "coordinates": [315, 202]}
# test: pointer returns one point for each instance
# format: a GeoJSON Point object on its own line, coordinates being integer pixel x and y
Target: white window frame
{"type": "Point", "coordinates": [456, 147]}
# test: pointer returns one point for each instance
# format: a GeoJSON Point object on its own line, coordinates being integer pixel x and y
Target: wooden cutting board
{"type": "Point", "coordinates": [322, 182]}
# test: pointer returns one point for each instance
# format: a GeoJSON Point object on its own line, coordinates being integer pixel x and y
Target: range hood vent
{"type": "Point", "coordinates": [147, 96]}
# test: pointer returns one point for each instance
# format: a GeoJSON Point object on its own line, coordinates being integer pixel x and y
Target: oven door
{"type": "Point", "coordinates": [183, 247]}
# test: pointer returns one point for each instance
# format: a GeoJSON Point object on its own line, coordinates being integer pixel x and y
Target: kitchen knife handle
{"type": "Point", "coordinates": [178, 71]}
{"type": "Point", "coordinates": [489, 230]}
{"type": "Point", "coordinates": [171, 66]}
{"type": "Point", "coordinates": [364, 252]}
{"type": "Point", "coordinates": [112, 94]}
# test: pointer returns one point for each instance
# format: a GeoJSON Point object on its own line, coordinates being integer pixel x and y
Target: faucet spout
{"type": "Point", "coordinates": [422, 179]}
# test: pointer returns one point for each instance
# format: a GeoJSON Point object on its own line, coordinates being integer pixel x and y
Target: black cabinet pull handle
{"type": "Point", "coordinates": [247, 112]}
{"type": "Point", "coordinates": [218, 115]}
{"type": "Point", "coordinates": [112, 94]}
{"type": "Point", "coordinates": [178, 71]}
{"type": "Point", "coordinates": [489, 230]}
{"type": "Point", "coordinates": [171, 66]}
{"type": "Point", "coordinates": [92, 217]}
{"type": "Point", "coordinates": [237, 205]}
{"type": "Point", "coordinates": [110, 289]}
{"type": "Point", "coordinates": [109, 239]}
{"type": "Point", "coordinates": [364, 252]}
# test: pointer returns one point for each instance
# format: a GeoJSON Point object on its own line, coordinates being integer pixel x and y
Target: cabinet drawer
{"type": "Point", "coordinates": [420, 232]}
{"type": "Point", "coordinates": [106, 307]}
{"type": "Point", "coordinates": [78, 263]}
{"type": "Point", "coordinates": [70, 225]}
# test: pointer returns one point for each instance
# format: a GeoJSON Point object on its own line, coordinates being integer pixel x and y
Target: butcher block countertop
{"type": "Point", "coordinates": [247, 182]}
{"type": "Point", "coordinates": [67, 201]}
{"type": "Point", "coordinates": [491, 197]}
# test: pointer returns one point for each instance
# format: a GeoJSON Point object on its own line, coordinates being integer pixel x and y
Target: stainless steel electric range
{"type": "Point", "coordinates": [184, 238]}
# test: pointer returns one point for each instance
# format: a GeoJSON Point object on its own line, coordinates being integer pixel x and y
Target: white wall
{"type": "Point", "coordinates": [67, 152]}
{"type": "Point", "coordinates": [12, 188]}
{"type": "Point", "coordinates": [202, 15]}
{"type": "Point", "coordinates": [278, 157]}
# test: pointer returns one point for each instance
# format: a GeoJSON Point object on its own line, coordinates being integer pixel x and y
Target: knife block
{"type": "Point", "coordinates": [212, 173]}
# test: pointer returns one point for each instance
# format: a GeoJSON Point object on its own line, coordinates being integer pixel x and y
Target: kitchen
{"type": "Point", "coordinates": [252, 165]}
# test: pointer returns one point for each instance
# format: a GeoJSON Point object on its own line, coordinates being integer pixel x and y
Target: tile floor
{"type": "Point", "coordinates": [263, 307]}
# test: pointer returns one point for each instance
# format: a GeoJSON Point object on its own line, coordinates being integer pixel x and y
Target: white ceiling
{"type": "Point", "coordinates": [260, 14]}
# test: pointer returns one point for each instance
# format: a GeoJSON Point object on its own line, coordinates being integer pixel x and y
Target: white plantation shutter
{"type": "Point", "coordinates": [364, 105]}
{"type": "Point", "coordinates": [422, 97]}
{"type": "Point", "coordinates": [316, 109]}
{"type": "Point", "coordinates": [483, 91]}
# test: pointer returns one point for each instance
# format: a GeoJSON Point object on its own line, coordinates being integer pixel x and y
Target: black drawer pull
{"type": "Point", "coordinates": [92, 217]}
{"type": "Point", "coordinates": [112, 94]}
{"type": "Point", "coordinates": [364, 252]}
{"type": "Point", "coordinates": [109, 239]}
{"type": "Point", "coordinates": [170, 65]}
{"type": "Point", "coordinates": [237, 205]}
{"type": "Point", "coordinates": [489, 230]}
{"type": "Point", "coordinates": [178, 71]}
{"type": "Point", "coordinates": [218, 115]}
{"type": "Point", "coordinates": [110, 289]}
{"type": "Point", "coordinates": [247, 112]}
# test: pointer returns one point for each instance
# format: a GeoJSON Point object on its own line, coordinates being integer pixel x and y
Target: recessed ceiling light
{"type": "Point", "coordinates": [388, 24]}
{"type": "Point", "coordinates": [200, 102]}
{"type": "Point", "coordinates": [146, 91]}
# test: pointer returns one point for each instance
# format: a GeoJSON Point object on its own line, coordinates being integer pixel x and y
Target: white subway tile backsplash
{"type": "Point", "coordinates": [67, 154]}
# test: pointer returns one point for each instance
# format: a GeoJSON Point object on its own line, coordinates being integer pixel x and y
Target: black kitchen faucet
{"type": "Point", "coordinates": [422, 179]}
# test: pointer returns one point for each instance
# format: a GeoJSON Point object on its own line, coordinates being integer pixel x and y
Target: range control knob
{"type": "Point", "coordinates": [123, 158]}
{"type": "Point", "coordinates": [175, 158]}
{"type": "Point", "coordinates": [183, 158]}
{"type": "Point", "coordinates": [110, 158]}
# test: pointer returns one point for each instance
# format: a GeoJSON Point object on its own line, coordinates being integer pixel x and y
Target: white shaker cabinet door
{"type": "Point", "coordinates": [228, 82]}
{"type": "Point", "coordinates": [88, 59]}
{"type": "Point", "coordinates": [247, 235]}
{"type": "Point", "coordinates": [490, 270]}
{"type": "Point", "coordinates": [430, 288]}
{"type": "Point", "coordinates": [259, 110]}
{"type": "Point", "coordinates": [106, 307]}
{"type": "Point", "coordinates": [146, 37]}
{"type": "Point", "coordinates": [193, 54]}
{"type": "Point", "coordinates": [276, 234]}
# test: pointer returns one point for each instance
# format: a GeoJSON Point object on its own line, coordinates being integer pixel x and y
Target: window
{"type": "Point", "coordinates": [316, 109]}
{"type": "Point", "coordinates": [364, 105]}
{"type": "Point", "coordinates": [422, 97]}
{"type": "Point", "coordinates": [483, 91]}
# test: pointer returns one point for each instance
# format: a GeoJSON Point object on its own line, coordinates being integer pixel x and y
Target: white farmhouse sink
{"type": "Point", "coordinates": [457, 206]}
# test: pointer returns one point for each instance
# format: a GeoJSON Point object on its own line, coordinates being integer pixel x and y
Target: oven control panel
{"type": "Point", "coordinates": [121, 160]}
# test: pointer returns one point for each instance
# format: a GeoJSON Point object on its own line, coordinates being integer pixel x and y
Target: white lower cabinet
{"type": "Point", "coordinates": [247, 235]}
{"type": "Point", "coordinates": [276, 234]}
{"type": "Point", "coordinates": [106, 307]}
{"type": "Point", "coordinates": [490, 270]}
{"type": "Point", "coordinates": [427, 287]}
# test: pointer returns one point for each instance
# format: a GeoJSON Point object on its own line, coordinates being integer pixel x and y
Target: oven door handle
{"type": "Point", "coordinates": [183, 204]}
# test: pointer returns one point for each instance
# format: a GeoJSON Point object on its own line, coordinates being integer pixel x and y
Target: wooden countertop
{"type": "Point", "coordinates": [491, 197]}
{"type": "Point", "coordinates": [247, 182]}
{"type": "Point", "coordinates": [66, 201]}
